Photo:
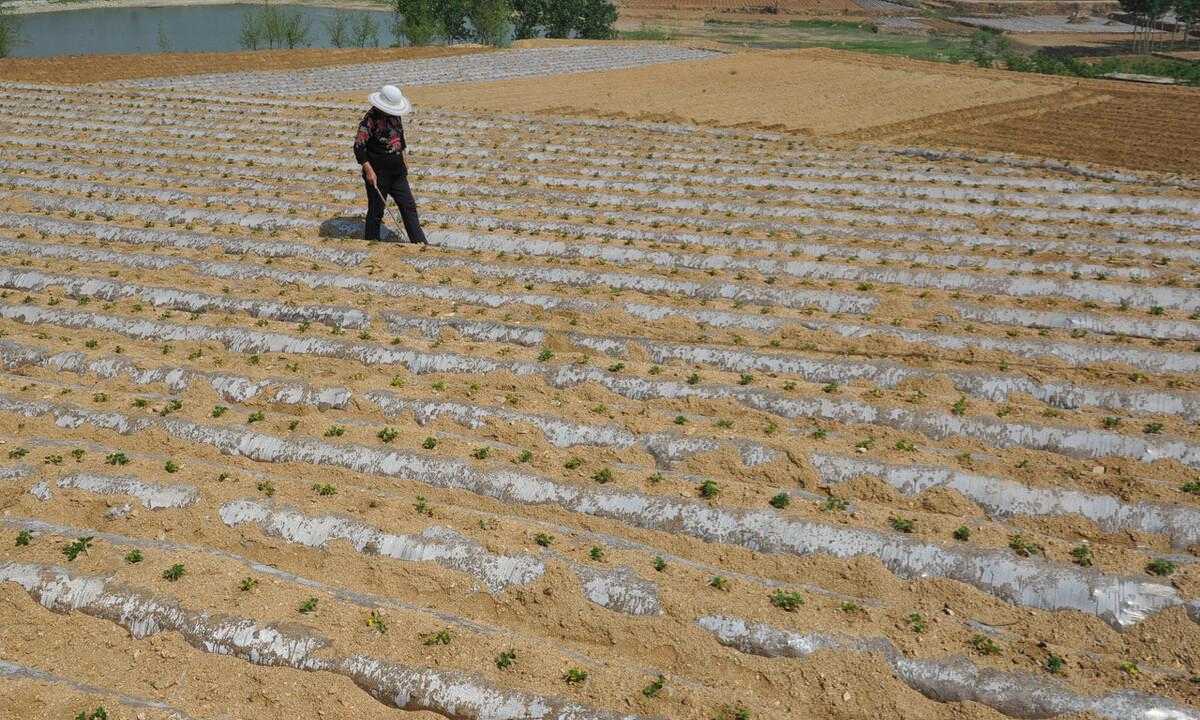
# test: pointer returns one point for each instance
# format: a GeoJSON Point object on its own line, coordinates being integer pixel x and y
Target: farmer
{"type": "Point", "coordinates": [379, 149]}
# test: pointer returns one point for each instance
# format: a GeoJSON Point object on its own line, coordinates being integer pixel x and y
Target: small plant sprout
{"type": "Point", "coordinates": [654, 688]}
{"type": "Point", "coordinates": [308, 606]}
{"type": "Point", "coordinates": [219, 410]}
{"type": "Point", "coordinates": [335, 431]}
{"type": "Point", "coordinates": [174, 572]}
{"type": "Point", "coordinates": [481, 453]}
{"type": "Point", "coordinates": [1023, 547]}
{"type": "Point", "coordinates": [659, 563]}
{"type": "Point", "coordinates": [133, 557]}
{"type": "Point", "coordinates": [441, 637]}
{"type": "Point", "coordinates": [24, 537]}
{"type": "Point", "coordinates": [1192, 487]}
{"type": "Point", "coordinates": [505, 659]}
{"type": "Point", "coordinates": [835, 504]}
{"type": "Point", "coordinates": [574, 676]}
{"type": "Point", "coordinates": [905, 446]}
{"type": "Point", "coordinates": [429, 443]}
{"type": "Point", "coordinates": [543, 539]}
{"type": "Point", "coordinates": [708, 489]}
{"type": "Point", "coordinates": [916, 623]}
{"type": "Point", "coordinates": [960, 406]}
{"type": "Point", "coordinates": [693, 379]}
{"type": "Point", "coordinates": [572, 463]}
{"type": "Point", "coordinates": [780, 501]}
{"type": "Point", "coordinates": [98, 714]}
{"type": "Point", "coordinates": [984, 645]}
{"type": "Point", "coordinates": [422, 506]}
{"type": "Point", "coordinates": [171, 466]}
{"type": "Point", "coordinates": [603, 475]}
{"type": "Point", "coordinates": [852, 608]}
{"type": "Point", "coordinates": [256, 416]}
{"type": "Point", "coordinates": [53, 459]}
{"type": "Point", "coordinates": [719, 583]}
{"type": "Point", "coordinates": [247, 584]}
{"type": "Point", "coordinates": [733, 712]}
{"type": "Point", "coordinates": [1128, 667]}
{"type": "Point", "coordinates": [596, 553]}
{"type": "Point", "coordinates": [745, 379]}
{"type": "Point", "coordinates": [1055, 664]}
{"type": "Point", "coordinates": [78, 454]}
{"type": "Point", "coordinates": [787, 600]}
{"type": "Point", "coordinates": [1160, 567]}
{"type": "Point", "coordinates": [545, 355]}
{"type": "Point", "coordinates": [375, 621]}
{"type": "Point", "coordinates": [680, 420]}
{"type": "Point", "coordinates": [525, 456]}
{"type": "Point", "coordinates": [116, 458]}
{"type": "Point", "coordinates": [1081, 555]}
{"type": "Point", "coordinates": [324, 490]}
{"type": "Point", "coordinates": [962, 533]}
{"type": "Point", "coordinates": [293, 425]}
{"type": "Point", "coordinates": [1153, 428]}
{"type": "Point", "coordinates": [266, 487]}
{"type": "Point", "coordinates": [902, 524]}
{"type": "Point", "coordinates": [80, 546]}
{"type": "Point", "coordinates": [17, 453]}
{"type": "Point", "coordinates": [387, 434]}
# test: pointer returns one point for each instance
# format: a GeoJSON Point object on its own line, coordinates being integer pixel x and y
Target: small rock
{"type": "Point", "coordinates": [1098, 470]}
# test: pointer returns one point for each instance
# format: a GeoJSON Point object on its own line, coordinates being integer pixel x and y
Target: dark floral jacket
{"type": "Point", "coordinates": [379, 134]}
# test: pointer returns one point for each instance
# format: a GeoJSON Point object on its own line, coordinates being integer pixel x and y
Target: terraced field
{"type": "Point", "coordinates": [666, 422]}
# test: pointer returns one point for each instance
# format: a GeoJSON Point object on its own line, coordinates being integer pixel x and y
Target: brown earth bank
{"type": "Point", "coordinates": [76, 69]}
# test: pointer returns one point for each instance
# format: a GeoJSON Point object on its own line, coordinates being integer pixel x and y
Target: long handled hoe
{"type": "Point", "coordinates": [399, 225]}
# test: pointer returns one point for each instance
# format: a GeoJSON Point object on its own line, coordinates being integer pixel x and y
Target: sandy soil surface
{"type": "Point", "coordinates": [100, 68]}
{"type": "Point", "coordinates": [805, 91]}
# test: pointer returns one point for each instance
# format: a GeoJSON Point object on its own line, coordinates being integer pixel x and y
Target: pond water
{"type": "Point", "coordinates": [188, 28]}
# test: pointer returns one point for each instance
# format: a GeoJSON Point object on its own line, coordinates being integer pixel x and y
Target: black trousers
{"type": "Point", "coordinates": [395, 185]}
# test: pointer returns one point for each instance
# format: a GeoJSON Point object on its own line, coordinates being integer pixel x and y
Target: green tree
{"type": "Point", "coordinates": [591, 19]}
{"type": "Point", "coordinates": [419, 21]}
{"type": "Point", "coordinates": [1188, 13]}
{"type": "Point", "coordinates": [492, 21]}
{"type": "Point", "coordinates": [10, 30]}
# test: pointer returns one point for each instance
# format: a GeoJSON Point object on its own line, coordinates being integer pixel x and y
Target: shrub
{"type": "Point", "coordinates": [481, 453]}
{"type": "Point", "coordinates": [572, 463]}
{"type": "Point", "coordinates": [98, 714]}
{"type": "Point", "coordinates": [959, 407]}
{"type": "Point", "coordinates": [1153, 428]}
{"type": "Point", "coordinates": [525, 456]}
{"type": "Point", "coordinates": [17, 453]}
{"type": "Point", "coordinates": [596, 553]}
{"type": "Point", "coordinates": [603, 475]}
{"type": "Point", "coordinates": [324, 490]}
{"type": "Point", "coordinates": [1054, 664]}
{"type": "Point", "coordinates": [266, 487]}
{"type": "Point", "coordinates": [1023, 547]}
{"type": "Point", "coordinates": [174, 572]}
{"type": "Point", "coordinates": [430, 443]}
{"type": "Point", "coordinates": [787, 600]}
{"type": "Point", "coordinates": [171, 466]}
{"type": "Point", "coordinates": [1192, 487]}
{"type": "Point", "coordinates": [247, 584]}
{"type": "Point", "coordinates": [335, 431]}
{"type": "Point", "coordinates": [834, 504]}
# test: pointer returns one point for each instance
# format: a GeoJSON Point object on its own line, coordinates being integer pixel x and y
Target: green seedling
{"type": "Point", "coordinates": [1128, 667]}
{"type": "Point", "coordinates": [375, 621]}
{"type": "Point", "coordinates": [543, 539]}
{"type": "Point", "coordinates": [387, 434]}
{"type": "Point", "coordinates": [1082, 555]}
{"type": "Point", "coordinates": [916, 623]}
{"type": "Point", "coordinates": [901, 524]}
{"type": "Point", "coordinates": [962, 533]}
{"type": "Point", "coordinates": [719, 583]}
{"type": "Point", "coordinates": [780, 501]}
{"type": "Point", "coordinates": [693, 379]}
{"type": "Point", "coordinates": [654, 688]}
{"type": "Point", "coordinates": [335, 431]}
{"type": "Point", "coordinates": [78, 454]}
{"type": "Point", "coordinates": [266, 487]}
{"type": "Point", "coordinates": [247, 584]}
{"type": "Point", "coordinates": [596, 553]}
{"type": "Point", "coordinates": [80, 546]}
{"type": "Point", "coordinates": [905, 446]}
{"type": "Point", "coordinates": [17, 453]}
{"type": "Point", "coordinates": [53, 459]}
{"type": "Point", "coordinates": [481, 453]}
{"type": "Point", "coordinates": [960, 406]}
{"type": "Point", "coordinates": [133, 557]}
{"type": "Point", "coordinates": [659, 563]}
{"type": "Point", "coordinates": [98, 714]}
{"type": "Point", "coordinates": [174, 572]}
{"type": "Point", "coordinates": [324, 490]}
{"type": "Point", "coordinates": [1153, 428]}
{"type": "Point", "coordinates": [525, 456]}
{"type": "Point", "coordinates": [293, 425]}
{"type": "Point", "coordinates": [574, 676]}
{"type": "Point", "coordinates": [603, 475]}
{"type": "Point", "coordinates": [1161, 567]}
{"type": "Point", "coordinates": [116, 458]}
{"type": "Point", "coordinates": [616, 367]}
{"type": "Point", "coordinates": [505, 659]}
{"type": "Point", "coordinates": [308, 606]}
{"type": "Point", "coordinates": [441, 637]}
{"type": "Point", "coordinates": [545, 355]}
{"type": "Point", "coordinates": [745, 379]}
{"type": "Point", "coordinates": [171, 466]}
{"type": "Point", "coordinates": [680, 420]}
{"type": "Point", "coordinates": [984, 645]}
{"type": "Point", "coordinates": [170, 407]}
{"type": "Point", "coordinates": [787, 600]}
{"type": "Point", "coordinates": [24, 537]}
{"type": "Point", "coordinates": [1055, 664]}
{"type": "Point", "coordinates": [1192, 487]}
{"type": "Point", "coordinates": [1023, 547]}
{"type": "Point", "coordinates": [835, 504]}
{"type": "Point", "coordinates": [572, 463]}
{"type": "Point", "coordinates": [708, 489]}
{"type": "Point", "coordinates": [422, 506]}
{"type": "Point", "coordinates": [430, 443]}
{"type": "Point", "coordinates": [852, 608]}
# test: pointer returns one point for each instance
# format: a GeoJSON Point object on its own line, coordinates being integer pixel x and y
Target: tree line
{"type": "Point", "coordinates": [9, 29]}
{"type": "Point", "coordinates": [1147, 14]}
{"type": "Point", "coordinates": [496, 22]}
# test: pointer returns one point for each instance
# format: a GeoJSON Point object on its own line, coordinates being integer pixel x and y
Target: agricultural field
{"type": "Point", "coordinates": [668, 421]}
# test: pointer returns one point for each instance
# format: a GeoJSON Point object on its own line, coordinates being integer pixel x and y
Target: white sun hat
{"type": "Point", "coordinates": [390, 100]}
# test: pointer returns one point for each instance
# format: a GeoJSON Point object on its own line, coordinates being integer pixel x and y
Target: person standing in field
{"type": "Point", "coordinates": [379, 148]}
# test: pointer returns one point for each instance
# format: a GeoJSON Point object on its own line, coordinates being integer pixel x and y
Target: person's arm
{"type": "Point", "coordinates": [360, 150]}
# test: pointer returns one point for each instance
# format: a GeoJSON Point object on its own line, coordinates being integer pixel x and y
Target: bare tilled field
{"type": "Point", "coordinates": [667, 422]}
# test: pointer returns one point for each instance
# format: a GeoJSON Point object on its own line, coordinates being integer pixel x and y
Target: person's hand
{"type": "Point", "coordinates": [369, 173]}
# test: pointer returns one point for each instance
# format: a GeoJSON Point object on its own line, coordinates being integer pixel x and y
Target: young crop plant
{"type": "Point", "coordinates": [545, 355]}
{"type": "Point", "coordinates": [422, 506]}
{"type": "Point", "coordinates": [505, 659]}
{"type": "Point", "coordinates": [708, 489]}
{"type": "Point", "coordinates": [481, 453]}
{"type": "Point", "coordinates": [78, 454]}
{"type": "Point", "coordinates": [1054, 664]}
{"type": "Point", "coordinates": [116, 458]}
{"type": "Point", "coordinates": [572, 463]}
{"type": "Point", "coordinates": [98, 714]}
{"type": "Point", "coordinates": [17, 453]}
{"type": "Point", "coordinates": [788, 600]}
{"type": "Point", "coordinates": [720, 583]}
{"type": "Point", "coordinates": [901, 524]}
{"type": "Point", "coordinates": [780, 501]}
{"type": "Point", "coordinates": [171, 466]}
{"type": "Point", "coordinates": [574, 676]}
{"type": "Point", "coordinates": [308, 606]}
{"type": "Point", "coordinates": [266, 487]}
{"type": "Point", "coordinates": [324, 489]}
{"type": "Point", "coordinates": [596, 553]}
{"type": "Point", "coordinates": [603, 475]}
{"type": "Point", "coordinates": [1023, 547]}
{"type": "Point", "coordinates": [256, 416]}
{"type": "Point", "coordinates": [375, 622]}
{"type": "Point", "coordinates": [174, 572]}
{"type": "Point", "coordinates": [916, 623]}
{"type": "Point", "coordinates": [247, 584]}
{"type": "Point", "coordinates": [693, 379]}
{"type": "Point", "coordinates": [835, 504]}
{"type": "Point", "coordinates": [984, 645]}
{"type": "Point", "coordinates": [1161, 567]}
{"type": "Point", "coordinates": [133, 557]}
{"type": "Point", "coordinates": [962, 533]}
{"type": "Point", "coordinates": [219, 410]}
{"type": "Point", "coordinates": [335, 431]}
{"type": "Point", "coordinates": [80, 546]}
{"type": "Point", "coordinates": [659, 564]}
{"type": "Point", "coordinates": [24, 537]}
{"type": "Point", "coordinates": [387, 434]}
{"type": "Point", "coordinates": [429, 443]}
{"type": "Point", "coordinates": [653, 689]}
{"type": "Point", "coordinates": [525, 456]}
{"type": "Point", "coordinates": [905, 446]}
{"type": "Point", "coordinates": [960, 406]}
{"type": "Point", "coordinates": [1082, 555]}
{"type": "Point", "coordinates": [1192, 487]}
{"type": "Point", "coordinates": [441, 637]}
{"type": "Point", "coordinates": [1153, 428]}
{"type": "Point", "coordinates": [543, 539]}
